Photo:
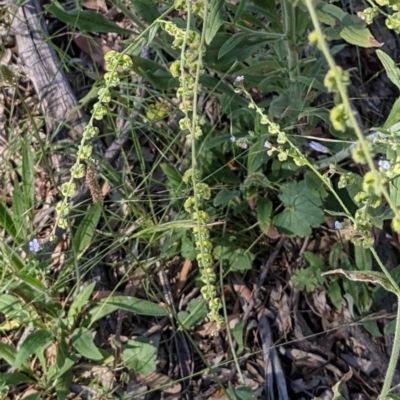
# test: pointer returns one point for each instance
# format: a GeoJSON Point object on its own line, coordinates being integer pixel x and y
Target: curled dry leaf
{"type": "Point", "coordinates": [95, 5]}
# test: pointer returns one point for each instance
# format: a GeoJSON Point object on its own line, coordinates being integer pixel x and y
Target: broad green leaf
{"type": "Point", "coordinates": [82, 341]}
{"type": "Point", "coordinates": [335, 294]}
{"type": "Point", "coordinates": [264, 212]}
{"type": "Point", "coordinates": [394, 115]}
{"type": "Point", "coordinates": [87, 226]}
{"type": "Point", "coordinates": [363, 258]}
{"type": "Point", "coordinates": [379, 293]}
{"type": "Point", "coordinates": [248, 46]}
{"type": "Point", "coordinates": [146, 9]}
{"type": "Point", "coordinates": [173, 175]}
{"type": "Point", "coordinates": [241, 261]}
{"type": "Point", "coordinates": [313, 260]}
{"type": "Point", "coordinates": [359, 36]}
{"type": "Point", "coordinates": [8, 354]}
{"type": "Point", "coordinates": [80, 301]}
{"type": "Point", "coordinates": [140, 356]}
{"type": "Point", "coordinates": [19, 208]}
{"type": "Point", "coordinates": [64, 360]}
{"type": "Point", "coordinates": [390, 327]}
{"type": "Point", "coordinates": [302, 212]}
{"type": "Point", "coordinates": [99, 312]}
{"type": "Point", "coordinates": [315, 185]}
{"type": "Point", "coordinates": [392, 71]}
{"type": "Point", "coordinates": [370, 276]}
{"type": "Point", "coordinates": [28, 178]}
{"type": "Point", "coordinates": [394, 191]}
{"type": "Point", "coordinates": [233, 259]}
{"type": "Point", "coordinates": [214, 20]}
{"type": "Point", "coordinates": [372, 328]}
{"type": "Point", "coordinates": [137, 306]}
{"type": "Point", "coordinates": [14, 379]}
{"type": "Point", "coordinates": [157, 75]}
{"type": "Point", "coordinates": [241, 393]}
{"type": "Point", "coordinates": [224, 196]}
{"type": "Point", "coordinates": [334, 255]}
{"type": "Point", "coordinates": [237, 333]}
{"type": "Point", "coordinates": [307, 279]}
{"type": "Point", "coordinates": [127, 303]}
{"type": "Point", "coordinates": [63, 385]}
{"type": "Point", "coordinates": [329, 14]}
{"type": "Point", "coordinates": [195, 314]}
{"type": "Point", "coordinates": [7, 222]}
{"type": "Point", "coordinates": [14, 308]}
{"type": "Point", "coordinates": [240, 9]}
{"type": "Point", "coordinates": [85, 20]}
{"type": "Point", "coordinates": [232, 43]}
{"type": "Point", "coordinates": [36, 342]}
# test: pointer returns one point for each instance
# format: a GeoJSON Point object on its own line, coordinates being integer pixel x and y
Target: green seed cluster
{"type": "Point", "coordinates": [187, 69]}
{"type": "Point", "coordinates": [392, 21]}
{"type": "Point", "coordinates": [116, 64]}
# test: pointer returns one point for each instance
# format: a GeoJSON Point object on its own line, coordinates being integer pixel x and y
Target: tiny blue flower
{"type": "Point", "coordinates": [34, 245]}
{"type": "Point", "coordinates": [318, 147]}
{"type": "Point", "coordinates": [233, 139]}
{"type": "Point", "coordinates": [384, 164]}
{"type": "Point", "coordinates": [239, 79]}
{"type": "Point", "coordinates": [244, 146]}
{"type": "Point", "coordinates": [267, 145]}
{"type": "Point", "coordinates": [338, 225]}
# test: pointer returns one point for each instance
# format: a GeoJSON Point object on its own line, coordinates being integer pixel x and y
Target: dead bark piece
{"type": "Point", "coordinates": [57, 101]}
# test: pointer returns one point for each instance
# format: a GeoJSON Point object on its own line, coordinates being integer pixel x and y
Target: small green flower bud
{"type": "Point", "coordinates": [62, 223]}
{"type": "Point", "coordinates": [68, 189]}
{"type": "Point", "coordinates": [85, 151]}
{"type": "Point", "coordinates": [112, 79]}
{"type": "Point", "coordinates": [104, 95]}
{"type": "Point", "coordinates": [338, 118]}
{"type": "Point", "coordinates": [62, 209]}
{"type": "Point", "coordinates": [99, 111]}
{"type": "Point", "coordinates": [90, 132]}
{"type": "Point", "coordinates": [78, 171]}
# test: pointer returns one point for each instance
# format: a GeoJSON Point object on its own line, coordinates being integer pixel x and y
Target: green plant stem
{"type": "Point", "coordinates": [393, 357]}
{"type": "Point", "coordinates": [289, 26]}
{"type": "Point", "coordinates": [345, 98]}
{"type": "Point", "coordinates": [385, 271]}
{"type": "Point", "coordinates": [363, 143]}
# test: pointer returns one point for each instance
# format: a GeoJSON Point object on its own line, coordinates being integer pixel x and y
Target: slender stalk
{"type": "Point", "coordinates": [323, 46]}
{"type": "Point", "coordinates": [393, 357]}
{"type": "Point", "coordinates": [289, 26]}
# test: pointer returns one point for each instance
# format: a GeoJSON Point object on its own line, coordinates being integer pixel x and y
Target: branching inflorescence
{"type": "Point", "coordinates": [116, 64]}
{"type": "Point", "coordinates": [188, 69]}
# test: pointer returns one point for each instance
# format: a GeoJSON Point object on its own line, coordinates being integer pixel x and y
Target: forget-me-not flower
{"type": "Point", "coordinates": [318, 147]}
{"type": "Point", "coordinates": [239, 79]}
{"type": "Point", "coordinates": [267, 145]}
{"type": "Point", "coordinates": [338, 225]}
{"type": "Point", "coordinates": [34, 245]}
{"type": "Point", "coordinates": [384, 164]}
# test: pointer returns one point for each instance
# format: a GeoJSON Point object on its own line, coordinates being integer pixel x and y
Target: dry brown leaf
{"type": "Point", "coordinates": [186, 266]}
{"type": "Point", "coordinates": [272, 233]}
{"type": "Point", "coordinates": [158, 380]}
{"type": "Point", "coordinates": [95, 5]}
{"type": "Point", "coordinates": [93, 47]}
{"type": "Point", "coordinates": [280, 301]}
